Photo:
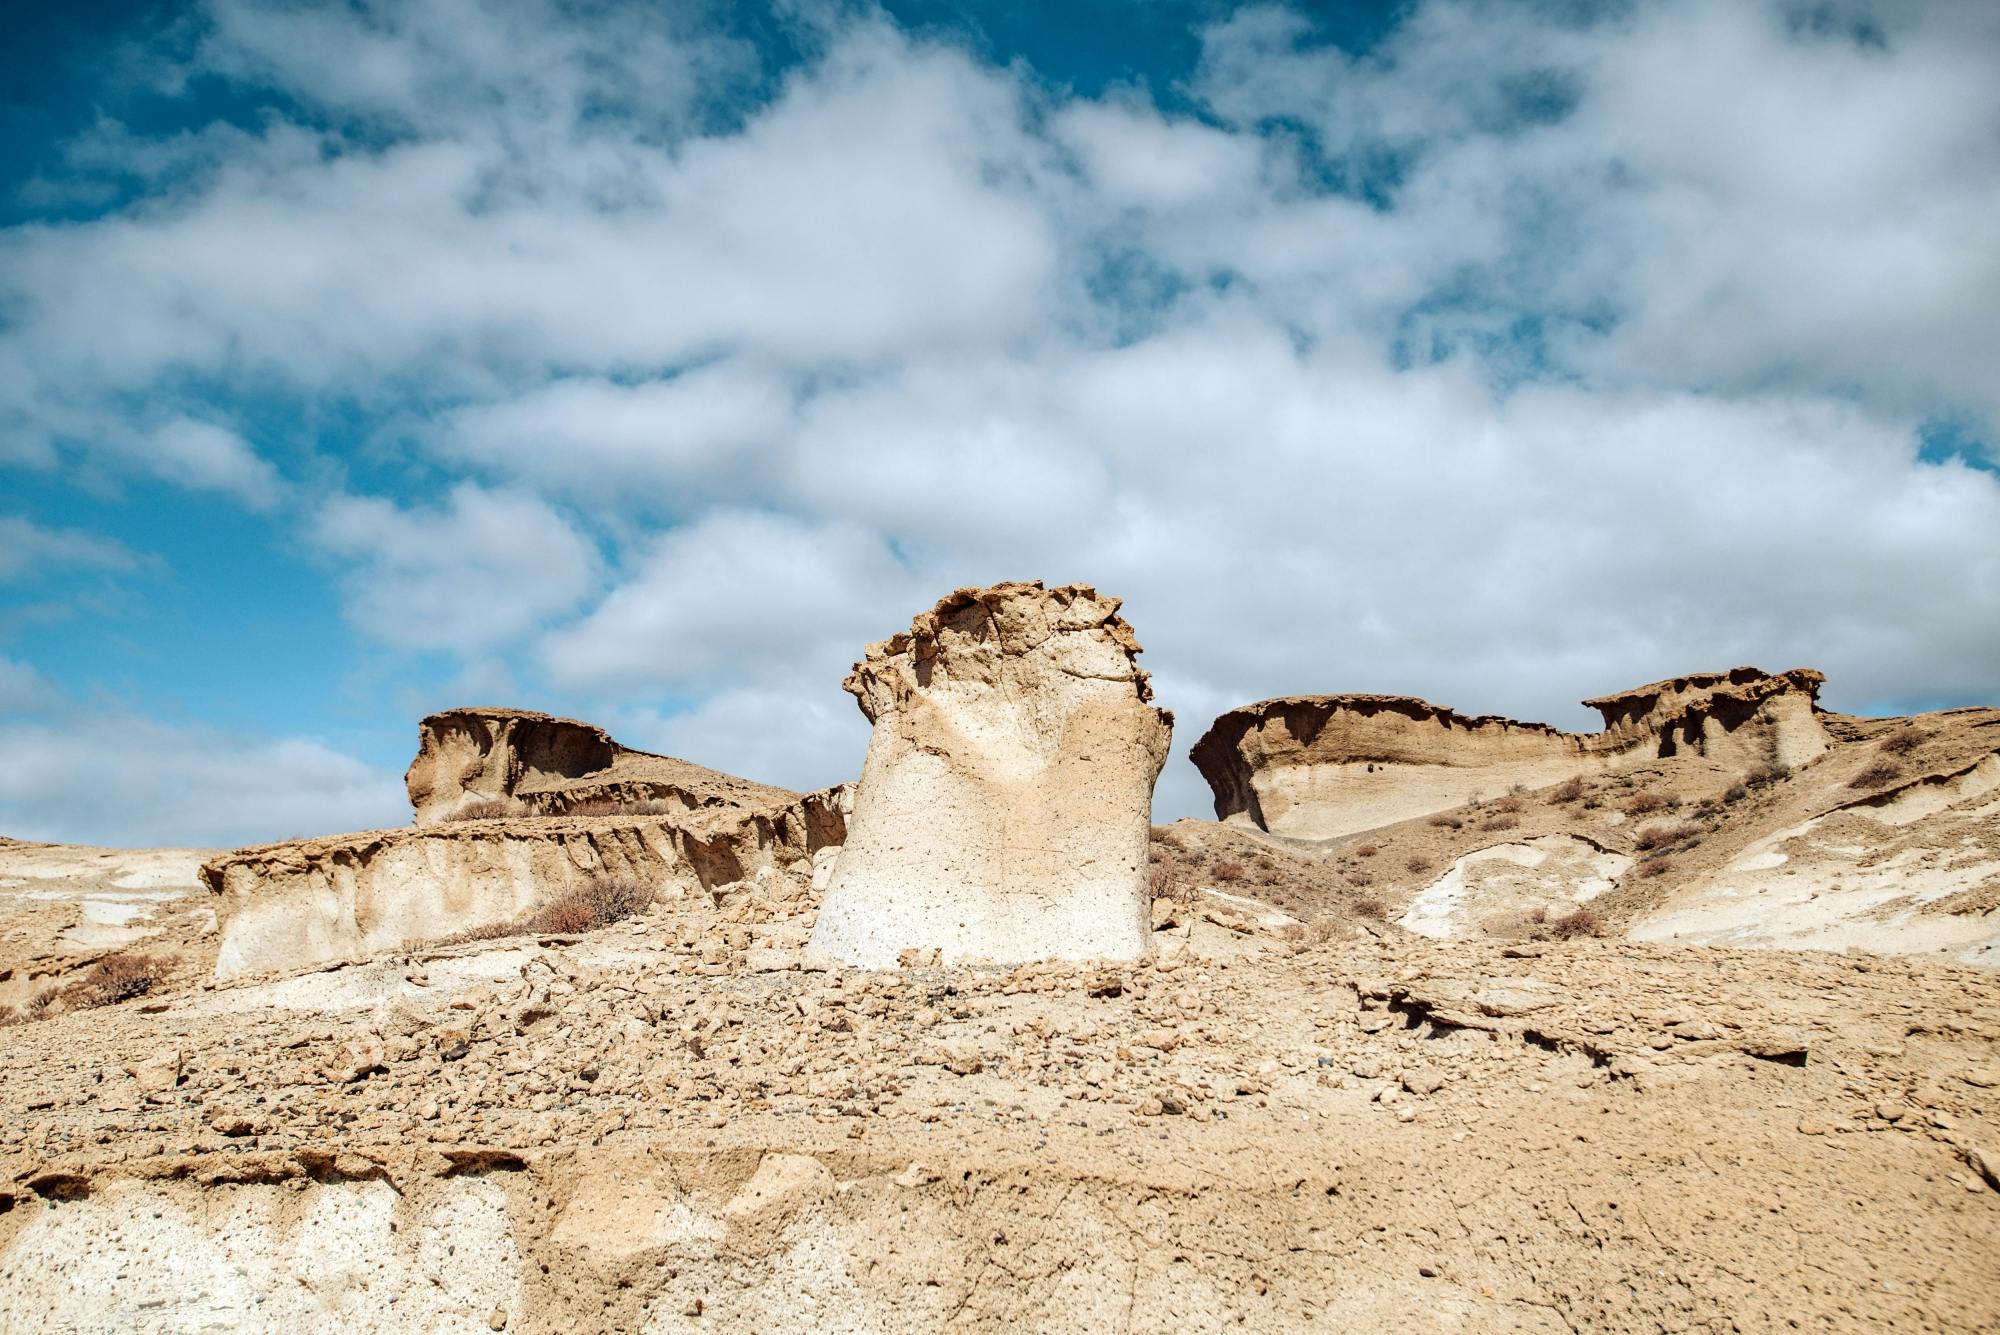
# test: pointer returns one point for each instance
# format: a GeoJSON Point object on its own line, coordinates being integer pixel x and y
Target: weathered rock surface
{"type": "Point", "coordinates": [1321, 766]}
{"type": "Point", "coordinates": [553, 766]}
{"type": "Point", "coordinates": [1004, 809]}
{"type": "Point", "coordinates": [588, 808]}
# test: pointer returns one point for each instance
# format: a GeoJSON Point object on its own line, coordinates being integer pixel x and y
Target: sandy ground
{"type": "Point", "coordinates": [63, 905]}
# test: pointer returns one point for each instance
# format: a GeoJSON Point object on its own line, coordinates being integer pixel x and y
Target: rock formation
{"type": "Point", "coordinates": [584, 807]}
{"type": "Point", "coordinates": [1004, 809]}
{"type": "Point", "coordinates": [553, 766]}
{"type": "Point", "coordinates": [1321, 766]}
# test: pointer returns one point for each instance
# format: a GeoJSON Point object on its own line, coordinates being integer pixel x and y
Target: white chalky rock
{"type": "Point", "coordinates": [1004, 809]}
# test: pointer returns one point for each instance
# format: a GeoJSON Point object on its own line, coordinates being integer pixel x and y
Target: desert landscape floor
{"type": "Point", "coordinates": [670, 1125]}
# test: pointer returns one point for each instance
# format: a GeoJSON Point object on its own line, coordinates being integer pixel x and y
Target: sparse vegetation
{"type": "Point", "coordinates": [1737, 792]}
{"type": "Point", "coordinates": [1766, 775]}
{"type": "Point", "coordinates": [1904, 740]}
{"type": "Point", "coordinates": [1579, 922]}
{"type": "Point", "coordinates": [1417, 865]}
{"type": "Point", "coordinates": [1644, 804]}
{"type": "Point", "coordinates": [1372, 909]}
{"type": "Point", "coordinates": [1499, 823]}
{"type": "Point", "coordinates": [1878, 775]}
{"type": "Point", "coordinates": [1167, 883]}
{"type": "Point", "coordinates": [490, 808]}
{"type": "Point", "coordinates": [1507, 805]}
{"type": "Point", "coordinates": [1652, 867]}
{"type": "Point", "coordinates": [1367, 850]}
{"type": "Point", "coordinates": [115, 978]}
{"type": "Point", "coordinates": [604, 806]}
{"type": "Point", "coordinates": [1359, 878]}
{"type": "Point", "coordinates": [1569, 790]}
{"type": "Point", "coordinates": [1666, 835]}
{"type": "Point", "coordinates": [595, 903]}
{"type": "Point", "coordinates": [1228, 872]}
{"type": "Point", "coordinates": [1447, 822]}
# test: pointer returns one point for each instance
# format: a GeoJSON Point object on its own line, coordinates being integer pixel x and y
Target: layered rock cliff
{"type": "Point", "coordinates": [1321, 766]}
{"type": "Point", "coordinates": [1004, 808]}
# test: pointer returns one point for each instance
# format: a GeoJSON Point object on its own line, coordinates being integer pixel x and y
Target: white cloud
{"type": "Point", "coordinates": [134, 782]}
{"type": "Point", "coordinates": [22, 689]}
{"type": "Point", "coordinates": [27, 548]}
{"type": "Point", "coordinates": [1520, 359]}
{"type": "Point", "coordinates": [486, 568]}
{"type": "Point", "coordinates": [737, 595]}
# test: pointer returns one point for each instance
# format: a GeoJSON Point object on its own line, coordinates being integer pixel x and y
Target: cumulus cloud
{"type": "Point", "coordinates": [1529, 354]}
{"type": "Point", "coordinates": [28, 548]}
{"type": "Point", "coordinates": [484, 568]}
{"type": "Point", "coordinates": [119, 778]}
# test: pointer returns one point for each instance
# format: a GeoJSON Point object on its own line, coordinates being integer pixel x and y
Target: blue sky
{"type": "Point", "coordinates": [643, 362]}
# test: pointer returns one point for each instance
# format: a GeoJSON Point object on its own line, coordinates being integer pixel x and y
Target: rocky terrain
{"type": "Point", "coordinates": [578, 1050]}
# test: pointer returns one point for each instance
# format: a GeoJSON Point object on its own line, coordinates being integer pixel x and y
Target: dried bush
{"type": "Point", "coordinates": [490, 808]}
{"type": "Point", "coordinates": [1417, 864]}
{"type": "Point", "coordinates": [1644, 804]}
{"type": "Point", "coordinates": [598, 902]}
{"type": "Point", "coordinates": [1510, 803]}
{"type": "Point", "coordinates": [1904, 740]}
{"type": "Point", "coordinates": [1569, 790]}
{"type": "Point", "coordinates": [1367, 850]}
{"type": "Point", "coordinates": [1766, 775]}
{"type": "Point", "coordinates": [1580, 922]}
{"type": "Point", "coordinates": [1227, 872]}
{"type": "Point", "coordinates": [1167, 839]}
{"type": "Point", "coordinates": [1499, 823]}
{"type": "Point", "coordinates": [1652, 867]}
{"type": "Point", "coordinates": [1359, 878]}
{"type": "Point", "coordinates": [1372, 909]}
{"type": "Point", "coordinates": [1877, 775]}
{"type": "Point", "coordinates": [1448, 822]}
{"type": "Point", "coordinates": [1166, 882]}
{"type": "Point", "coordinates": [1737, 792]}
{"type": "Point", "coordinates": [115, 978]}
{"type": "Point", "coordinates": [1663, 836]}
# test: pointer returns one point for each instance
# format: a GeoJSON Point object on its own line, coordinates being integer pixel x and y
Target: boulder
{"type": "Point", "coordinates": [1005, 805]}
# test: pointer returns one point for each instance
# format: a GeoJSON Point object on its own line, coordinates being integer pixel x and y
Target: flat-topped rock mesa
{"type": "Point", "coordinates": [551, 766]}
{"type": "Point", "coordinates": [1004, 809]}
{"type": "Point", "coordinates": [1321, 766]}
{"type": "Point", "coordinates": [569, 805]}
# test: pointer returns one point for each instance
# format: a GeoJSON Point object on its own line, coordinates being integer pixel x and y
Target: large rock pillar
{"type": "Point", "coordinates": [1004, 808]}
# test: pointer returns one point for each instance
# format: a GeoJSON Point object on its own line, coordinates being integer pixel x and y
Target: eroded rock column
{"type": "Point", "coordinates": [1004, 809]}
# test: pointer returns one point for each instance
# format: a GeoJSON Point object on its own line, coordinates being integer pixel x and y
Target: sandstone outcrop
{"type": "Point", "coordinates": [1321, 766]}
{"type": "Point", "coordinates": [553, 766]}
{"type": "Point", "coordinates": [581, 806]}
{"type": "Point", "coordinates": [1004, 808]}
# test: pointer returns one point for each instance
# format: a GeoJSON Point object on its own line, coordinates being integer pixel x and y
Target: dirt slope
{"type": "Point", "coordinates": [670, 1126]}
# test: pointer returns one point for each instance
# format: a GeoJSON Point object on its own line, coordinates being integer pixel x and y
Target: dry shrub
{"type": "Point", "coordinates": [1737, 792]}
{"type": "Point", "coordinates": [1372, 909]}
{"type": "Point", "coordinates": [654, 806]}
{"type": "Point", "coordinates": [1367, 850]}
{"type": "Point", "coordinates": [490, 808]}
{"type": "Point", "coordinates": [1644, 804]}
{"type": "Point", "coordinates": [595, 903]}
{"type": "Point", "coordinates": [1508, 804]}
{"type": "Point", "coordinates": [1652, 867]}
{"type": "Point", "coordinates": [1580, 922]}
{"type": "Point", "coordinates": [1766, 775]}
{"type": "Point", "coordinates": [1663, 836]}
{"type": "Point", "coordinates": [1167, 883]}
{"type": "Point", "coordinates": [115, 978]}
{"type": "Point", "coordinates": [1448, 822]}
{"type": "Point", "coordinates": [1227, 872]}
{"type": "Point", "coordinates": [1417, 865]}
{"type": "Point", "coordinates": [1877, 775]}
{"type": "Point", "coordinates": [1499, 823]}
{"type": "Point", "coordinates": [1569, 790]}
{"type": "Point", "coordinates": [1904, 740]}
{"type": "Point", "coordinates": [1359, 878]}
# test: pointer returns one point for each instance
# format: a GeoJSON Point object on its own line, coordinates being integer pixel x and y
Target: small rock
{"type": "Point", "coordinates": [1423, 1080]}
{"type": "Point", "coordinates": [961, 1057]}
{"type": "Point", "coordinates": [496, 1319]}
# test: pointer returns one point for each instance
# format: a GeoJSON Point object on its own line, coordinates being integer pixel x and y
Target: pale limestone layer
{"type": "Point", "coordinates": [1318, 767]}
{"type": "Point", "coordinates": [1004, 808]}
{"type": "Point", "coordinates": [297, 905]}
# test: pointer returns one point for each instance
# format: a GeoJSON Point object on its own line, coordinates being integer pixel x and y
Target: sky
{"type": "Point", "coordinates": [644, 362]}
